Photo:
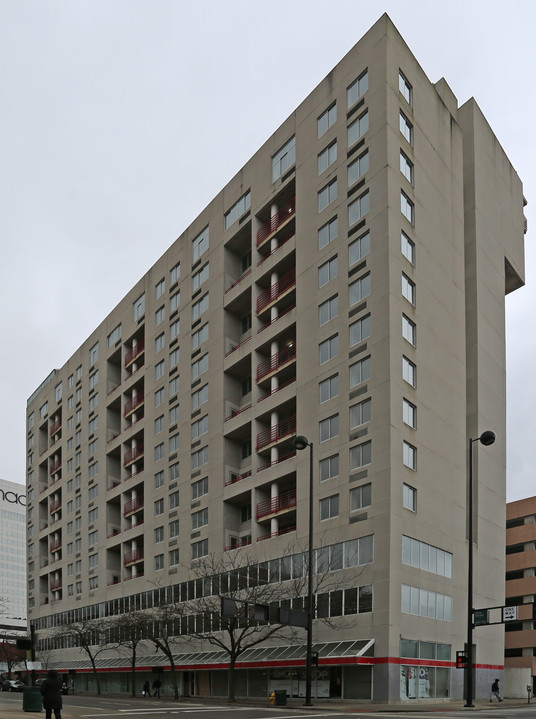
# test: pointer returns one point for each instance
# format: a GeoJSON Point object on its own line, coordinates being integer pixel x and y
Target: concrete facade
{"type": "Point", "coordinates": [348, 285]}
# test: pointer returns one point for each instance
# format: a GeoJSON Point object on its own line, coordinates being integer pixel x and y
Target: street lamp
{"type": "Point", "coordinates": [486, 438]}
{"type": "Point", "coordinates": [301, 442]}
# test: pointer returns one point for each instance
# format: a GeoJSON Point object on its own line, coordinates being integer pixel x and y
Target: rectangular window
{"type": "Point", "coordinates": [408, 248]}
{"type": "Point", "coordinates": [327, 233]}
{"type": "Point", "coordinates": [93, 538]}
{"type": "Point", "coordinates": [159, 480]}
{"type": "Point", "coordinates": [93, 515]}
{"type": "Point", "coordinates": [174, 357]}
{"type": "Point", "coordinates": [407, 207]}
{"type": "Point", "coordinates": [93, 493]}
{"type": "Point", "coordinates": [174, 471]}
{"type": "Point", "coordinates": [329, 428]}
{"type": "Point", "coordinates": [406, 167]}
{"type": "Point", "coordinates": [173, 500]}
{"type": "Point", "coordinates": [409, 371]}
{"type": "Point", "coordinates": [173, 557]}
{"type": "Point", "coordinates": [327, 157]}
{"type": "Point", "coordinates": [426, 557]}
{"type": "Point", "coordinates": [405, 88]}
{"type": "Point", "coordinates": [200, 397]}
{"type": "Point", "coordinates": [174, 386]}
{"type": "Point", "coordinates": [159, 452]}
{"type": "Point", "coordinates": [284, 159]}
{"type": "Point", "coordinates": [409, 455]}
{"type": "Point", "coordinates": [159, 369]}
{"type": "Point", "coordinates": [93, 448]}
{"type": "Point", "coordinates": [409, 413]}
{"type": "Point", "coordinates": [328, 310]}
{"type": "Point", "coordinates": [93, 379]}
{"type": "Point", "coordinates": [328, 271]}
{"type": "Point", "coordinates": [200, 519]}
{"type": "Point", "coordinates": [329, 507]}
{"type": "Point", "coordinates": [200, 427]}
{"type": "Point", "coordinates": [160, 288]}
{"type": "Point", "coordinates": [199, 458]}
{"type": "Point", "coordinates": [160, 342]}
{"type": "Point", "coordinates": [158, 507]}
{"type": "Point", "coordinates": [329, 349]}
{"type": "Point", "coordinates": [158, 397]}
{"type": "Point", "coordinates": [327, 195]}
{"type": "Point", "coordinates": [159, 562]}
{"type": "Point", "coordinates": [160, 315]}
{"type": "Point", "coordinates": [361, 455]}
{"type": "Point", "coordinates": [94, 402]}
{"type": "Point", "coordinates": [358, 249]}
{"type": "Point", "coordinates": [237, 210]}
{"type": "Point", "coordinates": [360, 413]}
{"type": "Point", "coordinates": [409, 330]}
{"type": "Point", "coordinates": [358, 208]}
{"type": "Point", "coordinates": [93, 424]}
{"type": "Point", "coordinates": [426, 604]}
{"type": "Point", "coordinates": [199, 277]}
{"type": "Point", "coordinates": [200, 488]}
{"type": "Point", "coordinates": [175, 301]}
{"type": "Point", "coordinates": [199, 307]}
{"type": "Point", "coordinates": [200, 549]}
{"type": "Point", "coordinates": [357, 89]}
{"type": "Point", "coordinates": [174, 442]}
{"type": "Point", "coordinates": [138, 307]}
{"type": "Point", "coordinates": [360, 497]}
{"type": "Point", "coordinates": [409, 497]}
{"type": "Point", "coordinates": [358, 128]}
{"type": "Point", "coordinates": [200, 366]}
{"type": "Point", "coordinates": [93, 354]}
{"type": "Point", "coordinates": [158, 535]}
{"type": "Point", "coordinates": [175, 329]}
{"type": "Point", "coordinates": [358, 168]}
{"type": "Point", "coordinates": [329, 467]}
{"type": "Point", "coordinates": [360, 371]}
{"type": "Point", "coordinates": [327, 119]}
{"type": "Point", "coordinates": [200, 244]}
{"type": "Point", "coordinates": [174, 529]}
{"type": "Point", "coordinates": [359, 289]}
{"type": "Point", "coordinates": [329, 388]}
{"type": "Point", "coordinates": [200, 336]}
{"type": "Point", "coordinates": [406, 128]}
{"type": "Point", "coordinates": [408, 289]}
{"type": "Point", "coordinates": [175, 273]}
{"type": "Point", "coordinates": [174, 414]}
{"type": "Point", "coordinates": [360, 330]}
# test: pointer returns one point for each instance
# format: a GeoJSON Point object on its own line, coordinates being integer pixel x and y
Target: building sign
{"type": "Point", "coordinates": [12, 498]}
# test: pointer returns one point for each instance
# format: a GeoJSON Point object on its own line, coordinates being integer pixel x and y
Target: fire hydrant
{"type": "Point", "coordinates": [272, 698]}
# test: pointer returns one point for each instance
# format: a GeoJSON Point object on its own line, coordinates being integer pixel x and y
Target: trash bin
{"type": "Point", "coordinates": [280, 697]}
{"type": "Point", "coordinates": [32, 701]}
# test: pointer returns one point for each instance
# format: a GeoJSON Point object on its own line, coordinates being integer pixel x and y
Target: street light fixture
{"type": "Point", "coordinates": [301, 442]}
{"type": "Point", "coordinates": [486, 438]}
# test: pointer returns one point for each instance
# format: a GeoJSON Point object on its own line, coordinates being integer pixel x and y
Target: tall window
{"type": "Point", "coordinates": [406, 167]}
{"type": "Point", "coordinates": [327, 119]}
{"type": "Point", "coordinates": [113, 337]}
{"type": "Point", "coordinates": [175, 273]}
{"type": "Point", "coordinates": [328, 310]}
{"type": "Point", "coordinates": [329, 467]}
{"type": "Point", "coordinates": [360, 371]}
{"type": "Point", "coordinates": [327, 195]}
{"type": "Point", "coordinates": [405, 88]}
{"type": "Point", "coordinates": [327, 157]}
{"type": "Point", "coordinates": [328, 271]}
{"type": "Point", "coordinates": [200, 488]}
{"type": "Point", "coordinates": [175, 301]}
{"type": "Point", "coordinates": [200, 366]}
{"type": "Point", "coordinates": [329, 428]}
{"type": "Point", "coordinates": [160, 288]}
{"type": "Point", "coordinates": [360, 330]}
{"type": "Point", "coordinates": [358, 249]}
{"type": "Point", "coordinates": [409, 371]}
{"type": "Point", "coordinates": [199, 458]}
{"type": "Point", "coordinates": [200, 397]}
{"type": "Point", "coordinates": [406, 128]}
{"type": "Point", "coordinates": [408, 289]}
{"type": "Point", "coordinates": [407, 248]}
{"type": "Point", "coordinates": [200, 244]}
{"type": "Point", "coordinates": [199, 307]}
{"type": "Point", "coordinates": [94, 354]}
{"type": "Point", "coordinates": [409, 330]}
{"type": "Point", "coordinates": [329, 349]}
{"type": "Point", "coordinates": [409, 413]}
{"type": "Point", "coordinates": [327, 233]}
{"type": "Point", "coordinates": [139, 307]}
{"type": "Point", "coordinates": [329, 388]}
{"type": "Point", "coordinates": [358, 128]}
{"type": "Point", "coordinates": [357, 168]}
{"type": "Point", "coordinates": [200, 549]}
{"type": "Point", "coordinates": [407, 207]}
{"type": "Point", "coordinates": [357, 89]}
{"type": "Point", "coordinates": [409, 455]}
{"type": "Point", "coordinates": [361, 455]}
{"type": "Point", "coordinates": [360, 413]}
{"type": "Point", "coordinates": [329, 507]}
{"type": "Point", "coordinates": [358, 208]}
{"type": "Point", "coordinates": [284, 159]}
{"type": "Point", "coordinates": [359, 289]}
{"type": "Point", "coordinates": [200, 427]}
{"type": "Point", "coordinates": [409, 497]}
{"type": "Point", "coordinates": [200, 276]}
{"type": "Point", "coordinates": [200, 336]}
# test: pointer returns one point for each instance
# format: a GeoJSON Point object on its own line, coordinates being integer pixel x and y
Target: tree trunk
{"type": "Point", "coordinates": [231, 687]}
{"type": "Point", "coordinates": [174, 675]}
{"type": "Point", "coordinates": [97, 679]}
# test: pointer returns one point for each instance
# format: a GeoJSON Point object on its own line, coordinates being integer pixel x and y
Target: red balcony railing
{"type": "Point", "coordinates": [134, 556]}
{"type": "Point", "coordinates": [54, 586]}
{"type": "Point", "coordinates": [280, 532]}
{"type": "Point", "coordinates": [277, 461]}
{"type": "Point", "coordinates": [276, 504]}
{"type": "Point", "coordinates": [276, 361]}
{"type": "Point", "coordinates": [271, 322]}
{"type": "Point", "coordinates": [235, 347]}
{"type": "Point", "coordinates": [132, 403]}
{"type": "Point", "coordinates": [131, 355]}
{"type": "Point", "coordinates": [55, 466]}
{"type": "Point", "coordinates": [236, 412]}
{"type": "Point", "coordinates": [238, 478]}
{"type": "Point", "coordinates": [236, 282]}
{"type": "Point", "coordinates": [55, 427]}
{"type": "Point", "coordinates": [115, 580]}
{"type": "Point", "coordinates": [133, 506]}
{"type": "Point", "coordinates": [133, 454]}
{"type": "Point", "coordinates": [283, 285]}
{"type": "Point", "coordinates": [55, 507]}
{"type": "Point", "coordinates": [115, 531]}
{"type": "Point", "coordinates": [278, 431]}
{"type": "Point", "coordinates": [54, 546]}
{"type": "Point", "coordinates": [242, 543]}
{"type": "Point", "coordinates": [274, 223]}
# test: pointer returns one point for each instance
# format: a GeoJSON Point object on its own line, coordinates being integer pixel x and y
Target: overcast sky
{"type": "Point", "coordinates": [121, 119]}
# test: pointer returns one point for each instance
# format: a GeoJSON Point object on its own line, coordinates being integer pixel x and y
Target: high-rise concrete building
{"type": "Point", "coordinates": [347, 285]}
{"type": "Point", "coordinates": [13, 559]}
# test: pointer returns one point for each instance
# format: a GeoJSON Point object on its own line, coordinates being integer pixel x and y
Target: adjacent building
{"type": "Point", "coordinates": [347, 285]}
{"type": "Point", "coordinates": [13, 559]}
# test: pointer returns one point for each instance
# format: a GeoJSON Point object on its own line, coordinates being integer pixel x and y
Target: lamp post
{"type": "Point", "coordinates": [301, 442]}
{"type": "Point", "coordinates": [486, 438]}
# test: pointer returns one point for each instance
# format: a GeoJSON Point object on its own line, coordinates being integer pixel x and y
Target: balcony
{"type": "Point", "coordinates": [287, 500]}
{"type": "Point", "coordinates": [236, 412]}
{"type": "Point", "coordinates": [134, 556]}
{"type": "Point", "coordinates": [54, 586]}
{"type": "Point", "coordinates": [237, 478]}
{"type": "Point", "coordinates": [241, 543]}
{"type": "Point", "coordinates": [56, 426]}
{"type": "Point", "coordinates": [133, 506]}
{"type": "Point", "coordinates": [278, 290]}
{"type": "Point", "coordinates": [236, 282]}
{"type": "Point", "coordinates": [55, 507]}
{"type": "Point", "coordinates": [55, 546]}
{"type": "Point", "coordinates": [55, 467]}
{"type": "Point", "coordinates": [134, 353]}
{"type": "Point", "coordinates": [277, 461]}
{"type": "Point", "coordinates": [276, 222]}
{"type": "Point", "coordinates": [235, 347]}
{"type": "Point", "coordinates": [133, 455]}
{"type": "Point", "coordinates": [274, 434]}
{"type": "Point", "coordinates": [276, 362]}
{"type": "Point", "coordinates": [279, 533]}
{"type": "Point", "coordinates": [133, 403]}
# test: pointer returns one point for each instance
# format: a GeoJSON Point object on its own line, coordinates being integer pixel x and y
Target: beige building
{"type": "Point", "coordinates": [347, 285]}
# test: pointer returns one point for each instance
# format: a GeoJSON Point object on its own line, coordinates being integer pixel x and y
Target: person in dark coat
{"type": "Point", "coordinates": [51, 692]}
{"type": "Point", "coordinates": [147, 689]}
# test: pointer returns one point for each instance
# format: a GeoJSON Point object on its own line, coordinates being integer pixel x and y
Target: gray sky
{"type": "Point", "coordinates": [95, 183]}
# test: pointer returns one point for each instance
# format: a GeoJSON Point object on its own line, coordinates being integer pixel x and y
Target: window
{"type": "Point", "coordinates": [199, 307]}
{"type": "Point", "coordinates": [360, 413]}
{"type": "Point", "coordinates": [93, 447]}
{"type": "Point", "coordinates": [174, 357]}
{"type": "Point", "coordinates": [92, 470]}
{"type": "Point", "coordinates": [160, 342]}
{"type": "Point", "coordinates": [327, 157]}
{"type": "Point", "coordinates": [358, 249]}
{"type": "Point", "coordinates": [159, 424]}
{"type": "Point", "coordinates": [93, 379]}
{"type": "Point", "coordinates": [174, 529]}
{"type": "Point", "coordinates": [426, 604]}
{"type": "Point", "coordinates": [409, 455]}
{"type": "Point", "coordinates": [327, 233]}
{"type": "Point", "coordinates": [360, 455]}
{"type": "Point", "coordinates": [200, 336]}
{"type": "Point", "coordinates": [174, 443]}
{"type": "Point", "coordinates": [200, 549]}
{"type": "Point", "coordinates": [328, 310]}
{"type": "Point", "coordinates": [159, 479]}
{"type": "Point", "coordinates": [138, 307]}
{"type": "Point", "coordinates": [327, 195]}
{"type": "Point", "coordinates": [357, 89]}
{"type": "Point", "coordinates": [93, 424]}
{"type": "Point", "coordinates": [329, 428]}
{"type": "Point", "coordinates": [174, 386]}
{"type": "Point", "coordinates": [284, 159]}
{"type": "Point", "coordinates": [173, 472]}
{"type": "Point", "coordinates": [408, 289]}
{"type": "Point", "coordinates": [329, 507]}
{"type": "Point", "coordinates": [409, 497]}
{"type": "Point", "coordinates": [358, 128]}
{"type": "Point", "coordinates": [173, 500]}
{"type": "Point", "coordinates": [175, 273]}
{"type": "Point", "coordinates": [200, 427]}
{"type": "Point", "coordinates": [237, 210]}
{"type": "Point", "coordinates": [173, 557]}
{"type": "Point", "coordinates": [200, 366]}
{"type": "Point", "coordinates": [175, 329]}
{"type": "Point", "coordinates": [199, 519]}
{"type": "Point", "coordinates": [200, 397]}
{"type": "Point", "coordinates": [199, 277]}
{"type": "Point", "coordinates": [245, 449]}
{"type": "Point", "coordinates": [94, 354]}
{"type": "Point", "coordinates": [174, 414]}
{"type": "Point", "coordinates": [360, 497]}
{"type": "Point", "coordinates": [358, 168]}
{"type": "Point", "coordinates": [79, 587]}
{"type": "Point", "coordinates": [406, 128]}
{"type": "Point", "coordinates": [160, 288]}
{"type": "Point", "coordinates": [327, 119]}
{"type": "Point", "coordinates": [404, 88]}
{"type": "Point", "coordinates": [328, 271]}
{"type": "Point", "coordinates": [409, 413]}
{"type": "Point", "coordinates": [360, 371]}
{"type": "Point", "coordinates": [407, 207]}
{"type": "Point", "coordinates": [59, 392]}
{"type": "Point", "coordinates": [158, 507]}
{"type": "Point", "coordinates": [406, 167]}
{"type": "Point", "coordinates": [360, 289]}
{"type": "Point", "coordinates": [200, 244]}
{"type": "Point", "coordinates": [160, 315]}
{"type": "Point", "coordinates": [159, 535]}
{"type": "Point", "coordinates": [199, 458]}
{"type": "Point", "coordinates": [159, 369]}
{"type": "Point", "coordinates": [329, 467]}
{"type": "Point", "coordinates": [329, 388]}
{"type": "Point", "coordinates": [200, 488]}
{"type": "Point", "coordinates": [78, 395]}
{"type": "Point", "coordinates": [158, 397]}
{"type": "Point", "coordinates": [159, 452]}
{"type": "Point", "coordinates": [427, 557]}
{"type": "Point", "coordinates": [358, 208]}
{"type": "Point", "coordinates": [409, 330]}
{"type": "Point", "coordinates": [174, 301]}
{"type": "Point", "coordinates": [329, 349]}
{"type": "Point", "coordinates": [408, 248]}
{"type": "Point", "coordinates": [409, 371]}
{"type": "Point", "coordinates": [93, 515]}
{"type": "Point", "coordinates": [92, 538]}
{"type": "Point", "coordinates": [93, 402]}
{"type": "Point", "coordinates": [159, 562]}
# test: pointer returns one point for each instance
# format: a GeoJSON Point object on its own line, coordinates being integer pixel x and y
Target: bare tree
{"type": "Point", "coordinates": [163, 630]}
{"type": "Point", "coordinates": [88, 635]}
{"type": "Point", "coordinates": [130, 629]}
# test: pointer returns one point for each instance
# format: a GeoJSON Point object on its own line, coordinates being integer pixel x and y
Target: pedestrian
{"type": "Point", "coordinates": [495, 691]}
{"type": "Point", "coordinates": [146, 689]}
{"type": "Point", "coordinates": [51, 692]}
{"type": "Point", "coordinates": [156, 687]}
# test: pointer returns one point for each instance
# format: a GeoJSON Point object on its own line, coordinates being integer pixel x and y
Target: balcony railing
{"type": "Point", "coordinates": [280, 316]}
{"type": "Point", "coordinates": [55, 427]}
{"type": "Point", "coordinates": [115, 580]}
{"type": "Point", "coordinates": [276, 221]}
{"type": "Point", "coordinates": [233, 480]}
{"type": "Point", "coordinates": [134, 556]}
{"type": "Point", "coordinates": [279, 246]}
{"type": "Point", "coordinates": [276, 361]}
{"type": "Point", "coordinates": [54, 586]}
{"type": "Point", "coordinates": [132, 403]}
{"type": "Point", "coordinates": [55, 466]}
{"type": "Point", "coordinates": [54, 546]}
{"type": "Point", "coordinates": [283, 285]}
{"type": "Point", "coordinates": [276, 504]}
{"type": "Point", "coordinates": [277, 461]}
{"type": "Point", "coordinates": [133, 454]}
{"type": "Point", "coordinates": [284, 429]}
{"type": "Point", "coordinates": [235, 347]}
{"type": "Point", "coordinates": [133, 506]}
{"type": "Point", "coordinates": [55, 507]}
{"type": "Point", "coordinates": [277, 389]}
{"type": "Point", "coordinates": [236, 412]}
{"type": "Point", "coordinates": [236, 282]}
{"type": "Point", "coordinates": [242, 543]}
{"type": "Point", "coordinates": [279, 533]}
{"type": "Point", "coordinates": [133, 353]}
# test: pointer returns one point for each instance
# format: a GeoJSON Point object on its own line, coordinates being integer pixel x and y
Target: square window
{"type": "Point", "coordinates": [360, 330]}
{"type": "Point", "coordinates": [329, 507]}
{"type": "Point", "coordinates": [329, 428]}
{"type": "Point", "coordinates": [360, 371]}
{"type": "Point", "coordinates": [329, 467]}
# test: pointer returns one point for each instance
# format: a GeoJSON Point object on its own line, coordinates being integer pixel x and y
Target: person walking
{"type": "Point", "coordinates": [51, 692]}
{"type": "Point", "coordinates": [147, 689]}
{"type": "Point", "coordinates": [495, 691]}
{"type": "Point", "coordinates": [156, 687]}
